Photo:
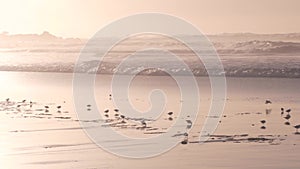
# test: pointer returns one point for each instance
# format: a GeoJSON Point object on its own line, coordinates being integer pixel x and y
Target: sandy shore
{"type": "Point", "coordinates": [39, 126]}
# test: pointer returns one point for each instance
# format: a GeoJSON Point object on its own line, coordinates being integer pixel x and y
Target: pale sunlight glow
{"type": "Point", "coordinates": [76, 18]}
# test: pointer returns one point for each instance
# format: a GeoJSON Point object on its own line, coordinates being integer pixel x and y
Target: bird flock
{"type": "Point", "coordinates": [114, 118]}
{"type": "Point", "coordinates": [285, 113]}
{"type": "Point", "coordinates": [31, 109]}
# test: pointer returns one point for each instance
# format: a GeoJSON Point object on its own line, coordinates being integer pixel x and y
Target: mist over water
{"type": "Point", "coordinates": [243, 55]}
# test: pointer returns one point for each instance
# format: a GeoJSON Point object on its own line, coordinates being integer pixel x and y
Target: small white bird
{"type": "Point", "coordinates": [190, 123]}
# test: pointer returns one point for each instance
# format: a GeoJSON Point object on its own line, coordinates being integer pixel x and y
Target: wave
{"type": "Point", "coordinates": [90, 67]}
{"type": "Point", "coordinates": [243, 55]}
{"type": "Point", "coordinates": [254, 47]}
{"type": "Point", "coordinates": [259, 47]}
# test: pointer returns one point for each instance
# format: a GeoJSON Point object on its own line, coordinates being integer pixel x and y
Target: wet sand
{"type": "Point", "coordinates": [44, 131]}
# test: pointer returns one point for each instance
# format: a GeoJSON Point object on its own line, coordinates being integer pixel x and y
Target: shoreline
{"type": "Point", "coordinates": [151, 75]}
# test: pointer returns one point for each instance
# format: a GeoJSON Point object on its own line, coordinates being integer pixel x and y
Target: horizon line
{"type": "Point", "coordinates": [208, 34]}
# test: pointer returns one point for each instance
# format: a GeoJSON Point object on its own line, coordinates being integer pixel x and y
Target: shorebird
{"type": "Point", "coordinates": [144, 124]}
{"type": "Point", "coordinates": [185, 141]}
{"type": "Point", "coordinates": [123, 119]}
{"type": "Point", "coordinates": [106, 111]}
{"type": "Point", "coordinates": [297, 128]}
{"type": "Point", "coordinates": [288, 110]}
{"type": "Point", "coordinates": [7, 100]}
{"type": "Point", "coordinates": [268, 102]}
{"type": "Point", "coordinates": [58, 107]}
{"type": "Point", "coordinates": [88, 105]}
{"type": "Point", "coordinates": [186, 138]}
{"type": "Point", "coordinates": [287, 123]}
{"type": "Point", "coordinates": [288, 116]}
{"type": "Point", "coordinates": [116, 110]}
{"type": "Point", "coordinates": [106, 115]}
{"type": "Point", "coordinates": [190, 123]}
{"type": "Point", "coordinates": [170, 113]}
{"type": "Point", "coordinates": [23, 101]}
{"type": "Point", "coordinates": [282, 109]}
{"type": "Point", "coordinates": [268, 111]}
{"type": "Point", "coordinates": [47, 107]}
{"type": "Point", "coordinates": [263, 127]}
{"type": "Point", "coordinates": [263, 121]}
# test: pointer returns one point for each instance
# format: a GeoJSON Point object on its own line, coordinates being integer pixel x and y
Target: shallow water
{"type": "Point", "coordinates": [33, 138]}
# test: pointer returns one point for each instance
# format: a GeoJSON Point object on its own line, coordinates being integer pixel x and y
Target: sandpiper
{"type": "Point", "coordinates": [263, 127]}
{"type": "Point", "coordinates": [144, 124]}
{"type": "Point", "coordinates": [170, 113]}
{"type": "Point", "coordinates": [288, 116]}
{"type": "Point", "coordinates": [268, 102]}
{"type": "Point", "coordinates": [263, 121]}
{"type": "Point", "coordinates": [297, 128]}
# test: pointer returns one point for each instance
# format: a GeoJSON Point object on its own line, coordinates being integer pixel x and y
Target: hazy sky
{"type": "Point", "coordinates": [82, 18]}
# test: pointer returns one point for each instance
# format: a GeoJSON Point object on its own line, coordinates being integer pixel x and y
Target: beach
{"type": "Point", "coordinates": [250, 133]}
